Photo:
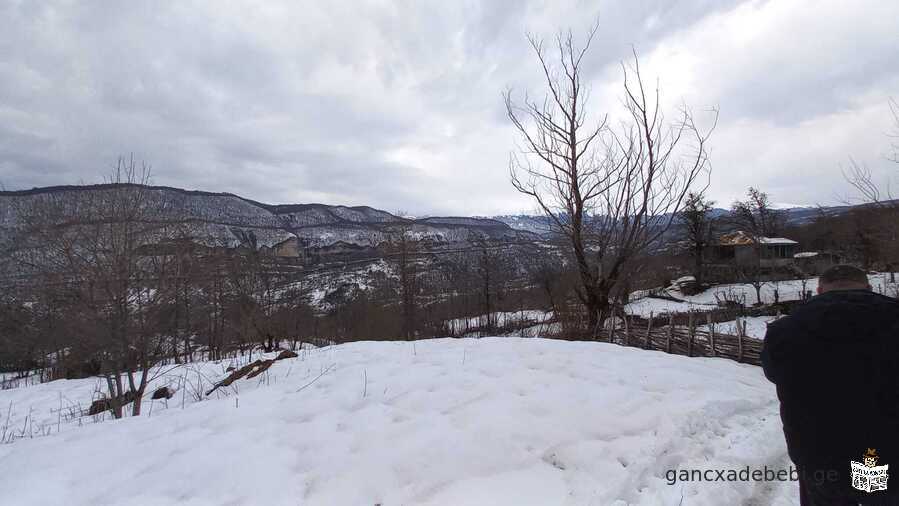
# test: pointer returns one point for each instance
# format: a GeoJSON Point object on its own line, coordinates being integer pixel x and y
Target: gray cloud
{"type": "Point", "coordinates": [397, 105]}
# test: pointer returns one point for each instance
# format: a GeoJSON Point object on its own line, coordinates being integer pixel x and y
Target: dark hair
{"type": "Point", "coordinates": [843, 275]}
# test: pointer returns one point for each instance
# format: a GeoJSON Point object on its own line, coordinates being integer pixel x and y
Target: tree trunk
{"type": "Point", "coordinates": [697, 269]}
{"type": "Point", "coordinates": [597, 303]}
{"type": "Point", "coordinates": [114, 387]}
{"type": "Point", "coordinates": [139, 392]}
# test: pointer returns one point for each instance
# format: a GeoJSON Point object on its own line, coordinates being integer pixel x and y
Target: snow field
{"type": "Point", "coordinates": [452, 422]}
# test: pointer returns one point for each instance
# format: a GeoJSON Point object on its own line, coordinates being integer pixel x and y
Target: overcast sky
{"type": "Point", "coordinates": [398, 105]}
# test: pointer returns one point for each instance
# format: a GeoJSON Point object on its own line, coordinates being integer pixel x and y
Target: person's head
{"type": "Point", "coordinates": [843, 277]}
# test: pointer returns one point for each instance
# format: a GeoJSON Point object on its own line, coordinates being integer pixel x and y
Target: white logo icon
{"type": "Point", "coordinates": [867, 476]}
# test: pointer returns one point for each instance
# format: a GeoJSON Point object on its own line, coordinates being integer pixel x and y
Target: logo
{"type": "Point", "coordinates": [867, 476]}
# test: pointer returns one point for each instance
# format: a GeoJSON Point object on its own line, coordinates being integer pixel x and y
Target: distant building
{"type": "Point", "coordinates": [741, 249]}
{"type": "Point", "coordinates": [815, 262]}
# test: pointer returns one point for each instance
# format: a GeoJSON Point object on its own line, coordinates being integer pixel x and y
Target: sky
{"type": "Point", "coordinates": [398, 105]}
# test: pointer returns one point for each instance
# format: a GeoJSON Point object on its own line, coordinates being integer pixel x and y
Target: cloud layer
{"type": "Point", "coordinates": [398, 104]}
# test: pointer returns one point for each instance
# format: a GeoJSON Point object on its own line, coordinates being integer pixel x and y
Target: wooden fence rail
{"type": "Point", "coordinates": [676, 333]}
{"type": "Point", "coordinates": [689, 341]}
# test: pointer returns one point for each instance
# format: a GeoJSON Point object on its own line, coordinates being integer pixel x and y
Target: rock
{"type": "Point", "coordinates": [98, 406]}
{"type": "Point", "coordinates": [104, 404]}
{"type": "Point", "coordinates": [286, 354]}
{"type": "Point", "coordinates": [163, 393]}
{"type": "Point", "coordinates": [261, 367]}
{"type": "Point", "coordinates": [250, 370]}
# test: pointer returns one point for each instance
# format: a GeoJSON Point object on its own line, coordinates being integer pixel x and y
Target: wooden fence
{"type": "Point", "coordinates": [676, 333]}
{"type": "Point", "coordinates": [683, 340]}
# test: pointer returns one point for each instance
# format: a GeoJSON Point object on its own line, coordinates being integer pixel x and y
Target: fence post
{"type": "Point", "coordinates": [711, 325]}
{"type": "Point", "coordinates": [740, 329]}
{"type": "Point", "coordinates": [648, 344]}
{"type": "Point", "coordinates": [627, 330]}
{"type": "Point", "coordinates": [692, 332]}
{"type": "Point", "coordinates": [611, 325]}
{"type": "Point", "coordinates": [670, 330]}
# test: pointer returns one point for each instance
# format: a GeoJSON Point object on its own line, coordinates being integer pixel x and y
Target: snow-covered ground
{"type": "Point", "coordinates": [540, 319]}
{"type": "Point", "coordinates": [756, 326]}
{"type": "Point", "coordinates": [456, 422]}
{"type": "Point", "coordinates": [708, 299]}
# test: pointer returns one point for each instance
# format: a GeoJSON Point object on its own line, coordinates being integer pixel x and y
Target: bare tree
{"type": "Point", "coordinates": [697, 229]}
{"type": "Point", "coordinates": [549, 277]}
{"type": "Point", "coordinates": [880, 195]}
{"type": "Point", "coordinates": [860, 177]}
{"type": "Point", "coordinates": [610, 191]}
{"type": "Point", "coordinates": [93, 250]}
{"type": "Point", "coordinates": [868, 190]}
{"type": "Point", "coordinates": [255, 288]}
{"type": "Point", "coordinates": [757, 218]}
{"type": "Point", "coordinates": [402, 248]}
{"type": "Point", "coordinates": [490, 281]}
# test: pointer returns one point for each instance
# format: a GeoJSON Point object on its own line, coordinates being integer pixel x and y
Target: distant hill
{"type": "Point", "coordinates": [541, 225]}
{"type": "Point", "coordinates": [226, 219]}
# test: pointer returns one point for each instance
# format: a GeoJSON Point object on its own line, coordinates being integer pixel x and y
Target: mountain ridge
{"type": "Point", "coordinates": [224, 217]}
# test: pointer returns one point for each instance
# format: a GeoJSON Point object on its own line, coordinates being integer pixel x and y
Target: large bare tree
{"type": "Point", "coordinates": [94, 250]}
{"type": "Point", "coordinates": [878, 194]}
{"type": "Point", "coordinates": [756, 215]}
{"type": "Point", "coordinates": [758, 218]}
{"type": "Point", "coordinates": [611, 189]}
{"type": "Point", "coordinates": [862, 180]}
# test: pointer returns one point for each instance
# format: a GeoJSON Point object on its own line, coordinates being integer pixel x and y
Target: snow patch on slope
{"type": "Point", "coordinates": [792, 289]}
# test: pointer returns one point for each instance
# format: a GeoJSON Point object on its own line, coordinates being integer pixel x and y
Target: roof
{"type": "Point", "coordinates": [735, 238]}
{"type": "Point", "coordinates": [740, 238]}
{"type": "Point", "coordinates": [776, 240]}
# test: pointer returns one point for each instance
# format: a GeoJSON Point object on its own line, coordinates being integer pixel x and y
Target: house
{"type": "Point", "coordinates": [815, 262]}
{"type": "Point", "coordinates": [742, 249]}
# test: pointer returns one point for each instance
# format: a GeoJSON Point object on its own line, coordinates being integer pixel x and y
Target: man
{"type": "Point", "coordinates": [835, 361]}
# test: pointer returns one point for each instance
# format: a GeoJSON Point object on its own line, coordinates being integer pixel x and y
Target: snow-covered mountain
{"type": "Point", "coordinates": [227, 219]}
{"type": "Point", "coordinates": [536, 224]}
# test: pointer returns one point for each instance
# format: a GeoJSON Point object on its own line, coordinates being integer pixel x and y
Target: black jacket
{"type": "Point", "coordinates": [835, 362]}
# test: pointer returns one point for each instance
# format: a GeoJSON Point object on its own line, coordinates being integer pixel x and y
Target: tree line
{"type": "Point", "coordinates": [112, 282]}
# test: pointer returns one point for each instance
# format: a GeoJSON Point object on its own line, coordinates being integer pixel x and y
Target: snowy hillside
{"type": "Point", "coordinates": [224, 219]}
{"type": "Point", "coordinates": [441, 422]}
{"type": "Point", "coordinates": [792, 289]}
